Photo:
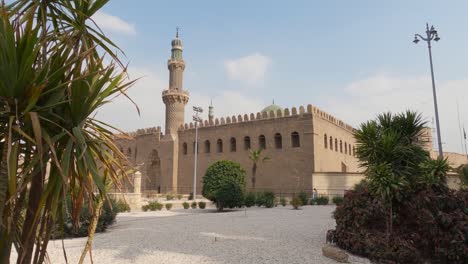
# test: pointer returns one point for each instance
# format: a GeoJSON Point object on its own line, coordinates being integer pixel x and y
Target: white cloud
{"type": "Point", "coordinates": [250, 69]}
{"type": "Point", "coordinates": [364, 99]}
{"type": "Point", "coordinates": [113, 23]}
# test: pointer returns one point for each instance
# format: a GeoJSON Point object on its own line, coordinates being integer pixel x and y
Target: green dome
{"type": "Point", "coordinates": [273, 108]}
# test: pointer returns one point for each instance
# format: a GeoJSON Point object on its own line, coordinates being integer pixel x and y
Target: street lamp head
{"type": "Point", "coordinates": [198, 109]}
{"type": "Point", "coordinates": [436, 38]}
{"type": "Point", "coordinates": [416, 40]}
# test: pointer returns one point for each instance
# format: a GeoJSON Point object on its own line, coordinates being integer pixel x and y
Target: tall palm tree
{"type": "Point", "coordinates": [256, 156]}
{"type": "Point", "coordinates": [52, 82]}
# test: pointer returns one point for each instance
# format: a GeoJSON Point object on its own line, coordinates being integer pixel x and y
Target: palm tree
{"type": "Point", "coordinates": [256, 156]}
{"type": "Point", "coordinates": [52, 83]}
{"type": "Point", "coordinates": [391, 151]}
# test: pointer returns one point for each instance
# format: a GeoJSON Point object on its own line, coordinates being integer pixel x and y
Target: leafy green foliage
{"type": "Point", "coordinates": [269, 198]}
{"type": "Point", "coordinates": [122, 206]}
{"type": "Point", "coordinates": [338, 200]}
{"type": "Point", "coordinates": [179, 196]}
{"type": "Point", "coordinates": [434, 173]}
{"type": "Point", "coordinates": [296, 202]}
{"type": "Point", "coordinates": [169, 196]}
{"type": "Point", "coordinates": [193, 205]}
{"type": "Point", "coordinates": [155, 205]}
{"type": "Point", "coordinates": [186, 205]}
{"type": "Point", "coordinates": [201, 205]}
{"type": "Point", "coordinates": [168, 206]}
{"type": "Point", "coordinates": [224, 184]}
{"type": "Point", "coordinates": [321, 200]}
{"type": "Point", "coordinates": [249, 200]}
{"type": "Point", "coordinates": [462, 171]}
{"type": "Point", "coordinates": [256, 156]}
{"type": "Point", "coordinates": [283, 201]}
{"type": "Point", "coordinates": [303, 197]}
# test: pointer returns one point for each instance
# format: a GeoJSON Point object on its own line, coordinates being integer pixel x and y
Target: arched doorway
{"type": "Point", "coordinates": [152, 180]}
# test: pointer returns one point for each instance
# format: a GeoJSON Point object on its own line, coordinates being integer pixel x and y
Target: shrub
{"type": "Point", "coordinates": [429, 225]}
{"type": "Point", "coordinates": [169, 196]}
{"type": "Point", "coordinates": [193, 205]}
{"type": "Point", "coordinates": [145, 208]}
{"type": "Point", "coordinates": [283, 201]}
{"type": "Point", "coordinates": [186, 205]}
{"type": "Point", "coordinates": [201, 205]}
{"type": "Point", "coordinates": [303, 197]}
{"type": "Point", "coordinates": [260, 199]}
{"type": "Point", "coordinates": [168, 206]}
{"type": "Point", "coordinates": [179, 197]}
{"type": "Point", "coordinates": [296, 202]}
{"type": "Point", "coordinates": [337, 200]}
{"type": "Point", "coordinates": [322, 200]}
{"type": "Point", "coordinates": [224, 184]}
{"type": "Point", "coordinates": [155, 205]}
{"type": "Point", "coordinates": [269, 198]}
{"type": "Point", "coordinates": [249, 200]}
{"type": "Point", "coordinates": [122, 206]}
{"type": "Point", "coordinates": [190, 197]}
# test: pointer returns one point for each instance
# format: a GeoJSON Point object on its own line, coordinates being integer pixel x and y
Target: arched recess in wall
{"type": "Point", "coordinates": [184, 148]}
{"type": "Point", "coordinates": [262, 142]}
{"type": "Point", "coordinates": [349, 149]}
{"type": "Point", "coordinates": [233, 144]}
{"type": "Point", "coordinates": [207, 146]}
{"type": "Point", "coordinates": [278, 141]}
{"type": "Point", "coordinates": [198, 147]}
{"type": "Point", "coordinates": [129, 152]}
{"type": "Point", "coordinates": [151, 180]}
{"type": "Point", "coordinates": [295, 140]}
{"type": "Point", "coordinates": [341, 146]}
{"type": "Point", "coordinates": [345, 148]}
{"type": "Point", "coordinates": [325, 141]}
{"type": "Point", "coordinates": [219, 145]}
{"type": "Point", "coordinates": [246, 143]}
{"type": "Point", "coordinates": [331, 143]}
{"type": "Point", "coordinates": [336, 145]}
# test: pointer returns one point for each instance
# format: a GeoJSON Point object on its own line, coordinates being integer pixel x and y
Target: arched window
{"type": "Point", "coordinates": [233, 145]}
{"type": "Point", "coordinates": [295, 141]}
{"type": "Point", "coordinates": [336, 145]}
{"type": "Point", "coordinates": [325, 141]}
{"type": "Point", "coordinates": [246, 143]}
{"type": "Point", "coordinates": [345, 148]}
{"type": "Point", "coordinates": [219, 145]}
{"type": "Point", "coordinates": [184, 148]}
{"type": "Point", "coordinates": [129, 151]}
{"type": "Point", "coordinates": [349, 149]}
{"type": "Point", "coordinates": [278, 141]}
{"type": "Point", "coordinates": [262, 142]}
{"type": "Point", "coordinates": [207, 146]}
{"type": "Point", "coordinates": [331, 143]}
{"type": "Point", "coordinates": [341, 146]}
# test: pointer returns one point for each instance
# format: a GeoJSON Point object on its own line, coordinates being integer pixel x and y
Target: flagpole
{"type": "Point", "coordinates": [460, 128]}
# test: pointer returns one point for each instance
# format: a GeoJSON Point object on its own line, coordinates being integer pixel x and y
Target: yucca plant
{"type": "Point", "coordinates": [52, 83]}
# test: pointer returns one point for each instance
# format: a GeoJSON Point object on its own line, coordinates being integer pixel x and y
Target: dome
{"type": "Point", "coordinates": [176, 42]}
{"type": "Point", "coordinates": [273, 108]}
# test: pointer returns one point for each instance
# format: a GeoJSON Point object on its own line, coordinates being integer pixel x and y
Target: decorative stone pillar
{"type": "Point", "coordinates": [137, 182]}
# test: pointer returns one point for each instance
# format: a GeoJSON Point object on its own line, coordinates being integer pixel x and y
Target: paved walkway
{"type": "Point", "coordinates": [257, 235]}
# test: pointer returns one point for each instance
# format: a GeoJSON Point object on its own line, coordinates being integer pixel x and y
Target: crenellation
{"type": "Point", "coordinates": [252, 117]}
{"type": "Point", "coordinates": [279, 113]}
{"type": "Point", "coordinates": [216, 121]}
{"type": "Point", "coordinates": [309, 108]}
{"type": "Point", "coordinates": [239, 118]}
{"type": "Point", "coordinates": [206, 123]}
{"type": "Point", "coordinates": [272, 114]}
{"type": "Point", "coordinates": [301, 110]}
{"type": "Point", "coordinates": [228, 120]}
{"type": "Point", "coordinates": [259, 116]}
{"type": "Point", "coordinates": [191, 125]}
{"type": "Point", "coordinates": [234, 119]}
{"type": "Point", "coordinates": [246, 117]}
{"type": "Point", "coordinates": [293, 111]}
{"type": "Point", "coordinates": [264, 115]}
{"type": "Point", "coordinates": [223, 121]}
{"type": "Point", "coordinates": [286, 112]}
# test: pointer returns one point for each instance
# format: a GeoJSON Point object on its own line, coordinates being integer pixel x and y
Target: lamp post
{"type": "Point", "coordinates": [197, 119]}
{"type": "Point", "coordinates": [431, 34]}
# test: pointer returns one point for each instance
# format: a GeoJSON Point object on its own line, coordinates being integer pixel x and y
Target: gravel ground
{"type": "Point", "coordinates": [257, 235]}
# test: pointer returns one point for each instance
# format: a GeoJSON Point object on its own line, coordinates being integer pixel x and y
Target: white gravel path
{"type": "Point", "coordinates": [259, 235]}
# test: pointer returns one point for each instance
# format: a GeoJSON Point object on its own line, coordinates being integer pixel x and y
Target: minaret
{"type": "Point", "coordinates": [210, 113]}
{"type": "Point", "coordinates": [175, 98]}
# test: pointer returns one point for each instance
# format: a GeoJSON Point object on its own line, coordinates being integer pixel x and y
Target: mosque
{"type": "Point", "coordinates": [308, 148]}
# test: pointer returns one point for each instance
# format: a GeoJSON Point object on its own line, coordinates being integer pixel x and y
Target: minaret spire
{"type": "Point", "coordinates": [211, 112]}
{"type": "Point", "coordinates": [175, 97]}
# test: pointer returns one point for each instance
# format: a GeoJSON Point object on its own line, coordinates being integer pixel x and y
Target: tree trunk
{"type": "Point", "coordinates": [92, 229]}
{"type": "Point", "coordinates": [254, 172]}
{"type": "Point", "coordinates": [5, 242]}
{"type": "Point", "coordinates": [219, 206]}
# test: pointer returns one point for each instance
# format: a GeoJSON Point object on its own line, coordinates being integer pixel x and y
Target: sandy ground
{"type": "Point", "coordinates": [257, 235]}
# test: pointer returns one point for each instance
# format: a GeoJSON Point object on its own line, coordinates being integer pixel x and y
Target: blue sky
{"type": "Point", "coordinates": [353, 59]}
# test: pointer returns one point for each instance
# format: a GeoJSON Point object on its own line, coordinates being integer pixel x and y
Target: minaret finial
{"type": "Point", "coordinates": [177, 32]}
{"type": "Point", "coordinates": [273, 101]}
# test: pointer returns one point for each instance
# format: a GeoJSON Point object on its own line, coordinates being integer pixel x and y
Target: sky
{"type": "Point", "coordinates": [353, 59]}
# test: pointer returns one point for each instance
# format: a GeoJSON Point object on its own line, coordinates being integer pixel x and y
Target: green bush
{"type": "Point", "coordinates": [260, 199]}
{"type": "Point", "coordinates": [322, 200]}
{"type": "Point", "coordinates": [296, 202]}
{"type": "Point", "coordinates": [303, 197]}
{"type": "Point", "coordinates": [186, 205]}
{"type": "Point", "coordinates": [122, 206]}
{"type": "Point", "coordinates": [179, 196]}
{"type": "Point", "coordinates": [168, 206]}
{"type": "Point", "coordinates": [224, 184]}
{"type": "Point", "coordinates": [193, 205]}
{"type": "Point", "coordinates": [155, 205]}
{"type": "Point", "coordinates": [269, 199]}
{"type": "Point", "coordinates": [190, 197]}
{"type": "Point", "coordinates": [201, 205]}
{"type": "Point", "coordinates": [337, 200]}
{"type": "Point", "coordinates": [249, 200]}
{"type": "Point", "coordinates": [283, 201]}
{"type": "Point", "coordinates": [145, 208]}
{"type": "Point", "coordinates": [169, 196]}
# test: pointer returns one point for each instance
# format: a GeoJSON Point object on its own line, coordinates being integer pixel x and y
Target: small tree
{"type": "Point", "coordinates": [462, 171]}
{"type": "Point", "coordinates": [224, 184]}
{"type": "Point", "coordinates": [256, 156]}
